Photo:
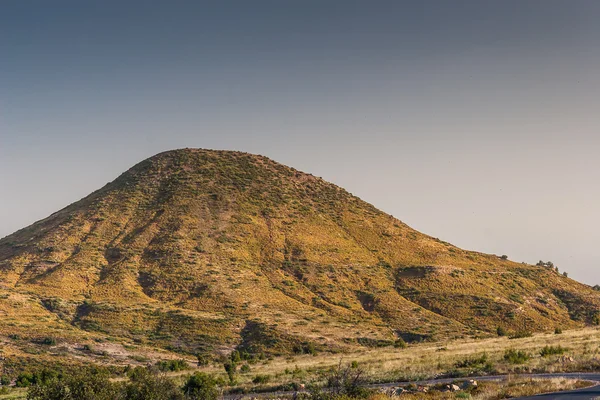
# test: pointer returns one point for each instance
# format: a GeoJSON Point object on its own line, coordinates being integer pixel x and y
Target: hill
{"type": "Point", "coordinates": [202, 251]}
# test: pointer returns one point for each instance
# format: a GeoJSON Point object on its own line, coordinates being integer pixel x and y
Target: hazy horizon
{"type": "Point", "coordinates": [471, 121]}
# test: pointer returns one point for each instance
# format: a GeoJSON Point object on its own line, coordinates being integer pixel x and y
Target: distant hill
{"type": "Point", "coordinates": [202, 251]}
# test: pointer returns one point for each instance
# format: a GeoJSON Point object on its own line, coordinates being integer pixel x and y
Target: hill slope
{"type": "Point", "coordinates": [203, 251]}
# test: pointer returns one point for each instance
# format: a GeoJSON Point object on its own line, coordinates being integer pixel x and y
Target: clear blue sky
{"type": "Point", "coordinates": [473, 121]}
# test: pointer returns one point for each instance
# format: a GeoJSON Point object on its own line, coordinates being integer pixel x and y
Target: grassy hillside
{"type": "Point", "coordinates": [200, 251]}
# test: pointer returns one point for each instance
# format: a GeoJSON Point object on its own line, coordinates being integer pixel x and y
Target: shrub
{"type": "Point", "coordinates": [201, 386]}
{"type": "Point", "coordinates": [400, 343]}
{"type": "Point", "coordinates": [552, 350]}
{"type": "Point", "coordinates": [521, 334]}
{"type": "Point", "coordinates": [88, 384]}
{"type": "Point", "coordinates": [48, 341]}
{"type": "Point", "coordinates": [501, 331]}
{"type": "Point", "coordinates": [231, 369]}
{"type": "Point", "coordinates": [26, 379]}
{"type": "Point", "coordinates": [235, 356]}
{"type": "Point", "coordinates": [472, 362]}
{"type": "Point", "coordinates": [516, 356]}
{"type": "Point", "coordinates": [245, 369]}
{"type": "Point", "coordinates": [88, 348]}
{"type": "Point", "coordinates": [203, 360]}
{"type": "Point", "coordinates": [557, 331]}
{"type": "Point", "coordinates": [4, 380]}
{"type": "Point", "coordinates": [261, 379]}
{"type": "Point", "coordinates": [345, 380]}
{"type": "Point", "coordinates": [145, 385]}
{"type": "Point", "coordinates": [310, 349]}
{"type": "Point", "coordinates": [172, 365]}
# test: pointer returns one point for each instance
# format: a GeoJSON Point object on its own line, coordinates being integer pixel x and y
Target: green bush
{"type": "Point", "coordinates": [201, 386]}
{"type": "Point", "coordinates": [145, 385]}
{"type": "Point", "coordinates": [516, 356]}
{"type": "Point", "coordinates": [4, 380]}
{"type": "Point", "coordinates": [172, 365]}
{"type": "Point", "coordinates": [203, 360]}
{"type": "Point", "coordinates": [93, 384]}
{"type": "Point", "coordinates": [235, 356]}
{"type": "Point", "coordinates": [472, 362]}
{"type": "Point", "coordinates": [231, 369]}
{"type": "Point", "coordinates": [26, 379]}
{"type": "Point", "coordinates": [84, 385]}
{"type": "Point", "coordinates": [261, 379]}
{"type": "Point", "coordinates": [48, 341]}
{"type": "Point", "coordinates": [245, 369]}
{"type": "Point", "coordinates": [552, 350]}
{"type": "Point", "coordinates": [521, 334]}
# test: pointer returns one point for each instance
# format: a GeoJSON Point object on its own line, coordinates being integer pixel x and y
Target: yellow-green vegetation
{"type": "Point", "coordinates": [13, 393]}
{"type": "Point", "coordinates": [202, 252]}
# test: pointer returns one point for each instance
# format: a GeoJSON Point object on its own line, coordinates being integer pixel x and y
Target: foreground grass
{"type": "Point", "coordinates": [496, 390]}
{"type": "Point", "coordinates": [574, 350]}
{"type": "Point", "coordinates": [579, 351]}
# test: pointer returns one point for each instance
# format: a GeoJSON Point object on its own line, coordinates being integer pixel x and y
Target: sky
{"type": "Point", "coordinates": [473, 121]}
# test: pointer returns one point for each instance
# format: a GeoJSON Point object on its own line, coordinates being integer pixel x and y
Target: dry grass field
{"type": "Point", "coordinates": [580, 352]}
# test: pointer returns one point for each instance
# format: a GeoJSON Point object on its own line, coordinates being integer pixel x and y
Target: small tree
{"type": "Point", "coordinates": [346, 380]}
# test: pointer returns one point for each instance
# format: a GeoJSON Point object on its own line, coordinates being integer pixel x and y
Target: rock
{"type": "Point", "coordinates": [468, 384]}
{"type": "Point", "coordinates": [392, 391]}
{"type": "Point", "coordinates": [454, 388]}
{"type": "Point", "coordinates": [566, 359]}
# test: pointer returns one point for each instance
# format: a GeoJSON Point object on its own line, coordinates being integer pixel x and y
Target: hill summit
{"type": "Point", "coordinates": [203, 251]}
